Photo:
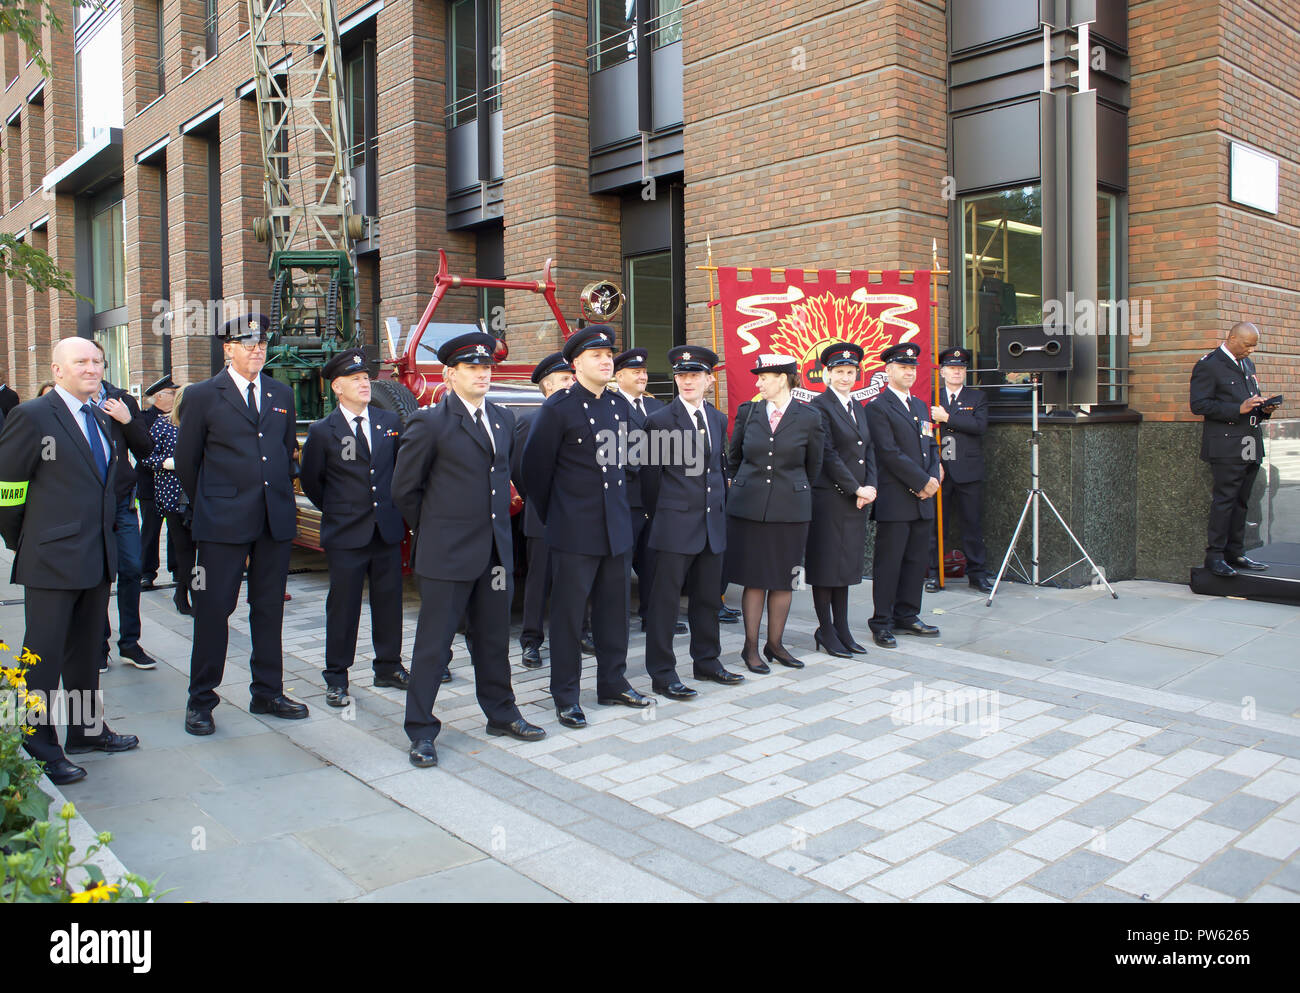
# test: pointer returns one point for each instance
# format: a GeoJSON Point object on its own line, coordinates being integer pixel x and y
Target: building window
{"type": "Point", "coordinates": [160, 28]}
{"type": "Point", "coordinates": [117, 361]}
{"type": "Point", "coordinates": [1002, 270]}
{"type": "Point", "coordinates": [99, 77]}
{"type": "Point", "coordinates": [649, 282]}
{"type": "Point", "coordinates": [108, 258]}
{"type": "Point", "coordinates": [495, 56]}
{"type": "Point", "coordinates": [1112, 353]}
{"type": "Point", "coordinates": [462, 63]}
{"type": "Point", "coordinates": [210, 29]}
{"type": "Point", "coordinates": [613, 30]}
{"type": "Point", "coordinates": [362, 119]}
{"type": "Point", "coordinates": [665, 28]}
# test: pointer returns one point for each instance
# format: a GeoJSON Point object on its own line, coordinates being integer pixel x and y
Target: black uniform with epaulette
{"type": "Point", "coordinates": [837, 535]}
{"type": "Point", "coordinates": [234, 459]}
{"type": "Point", "coordinates": [347, 472]}
{"type": "Point", "coordinates": [907, 458]}
{"type": "Point", "coordinates": [687, 532]}
{"type": "Point", "coordinates": [151, 518]}
{"type": "Point", "coordinates": [1233, 444]}
{"type": "Point", "coordinates": [961, 452]}
{"type": "Point", "coordinates": [452, 484]}
{"type": "Point", "coordinates": [641, 561]}
{"type": "Point", "coordinates": [574, 476]}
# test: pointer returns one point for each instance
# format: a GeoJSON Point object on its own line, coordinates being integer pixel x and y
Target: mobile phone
{"type": "Point", "coordinates": [1275, 401]}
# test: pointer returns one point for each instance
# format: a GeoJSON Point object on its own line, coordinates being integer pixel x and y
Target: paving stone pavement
{"type": "Point", "coordinates": [1057, 746]}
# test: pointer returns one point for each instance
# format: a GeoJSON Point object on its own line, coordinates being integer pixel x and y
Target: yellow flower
{"type": "Point", "coordinates": [4, 647]}
{"type": "Point", "coordinates": [95, 894]}
{"type": "Point", "coordinates": [68, 812]}
{"type": "Point", "coordinates": [26, 656]}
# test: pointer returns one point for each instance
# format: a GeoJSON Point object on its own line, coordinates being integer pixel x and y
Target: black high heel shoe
{"type": "Point", "coordinates": [825, 644]}
{"type": "Point", "coordinates": [787, 660]}
{"type": "Point", "coordinates": [847, 641]}
{"type": "Point", "coordinates": [759, 667]}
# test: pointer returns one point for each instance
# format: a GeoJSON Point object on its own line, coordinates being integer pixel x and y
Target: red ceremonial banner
{"type": "Point", "coordinates": [786, 312]}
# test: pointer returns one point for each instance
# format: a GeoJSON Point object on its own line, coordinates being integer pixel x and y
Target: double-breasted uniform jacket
{"type": "Point", "coordinates": [532, 523]}
{"type": "Point", "coordinates": [55, 512]}
{"type": "Point", "coordinates": [1219, 387]}
{"type": "Point", "coordinates": [580, 494]}
{"type": "Point", "coordinates": [968, 420]}
{"type": "Point", "coordinates": [453, 488]}
{"type": "Point", "coordinates": [235, 463]}
{"type": "Point", "coordinates": [906, 458]}
{"type": "Point", "coordinates": [772, 472]}
{"type": "Point", "coordinates": [838, 528]}
{"type": "Point", "coordinates": [354, 496]}
{"type": "Point", "coordinates": [688, 512]}
{"type": "Point", "coordinates": [637, 422]}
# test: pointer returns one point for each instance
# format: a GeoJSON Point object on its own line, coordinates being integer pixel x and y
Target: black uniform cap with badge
{"type": "Point", "coordinates": [348, 362]}
{"type": "Point", "coordinates": [247, 329]}
{"type": "Point", "coordinates": [904, 353]}
{"type": "Point", "coordinates": [842, 353]}
{"type": "Point", "coordinates": [156, 387]}
{"type": "Point", "coordinates": [585, 339]}
{"type": "Point", "coordinates": [955, 356]}
{"type": "Point", "coordinates": [692, 358]}
{"type": "Point", "coordinates": [555, 362]}
{"type": "Point", "coordinates": [633, 358]}
{"type": "Point", "coordinates": [474, 348]}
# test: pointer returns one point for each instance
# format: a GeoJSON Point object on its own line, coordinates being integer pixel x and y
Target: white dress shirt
{"type": "Point", "coordinates": [352, 416]}
{"type": "Point", "coordinates": [474, 415]}
{"type": "Point", "coordinates": [74, 408]}
{"type": "Point", "coordinates": [242, 383]}
{"type": "Point", "coordinates": [690, 413]}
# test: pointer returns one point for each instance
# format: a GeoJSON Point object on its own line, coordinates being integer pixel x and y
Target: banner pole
{"type": "Point", "coordinates": [934, 396]}
{"type": "Point", "coordinates": [713, 319]}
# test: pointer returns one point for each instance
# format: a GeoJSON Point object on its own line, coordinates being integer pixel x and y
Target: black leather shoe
{"type": "Point", "coordinates": [1241, 562]}
{"type": "Point", "coordinates": [1220, 568]}
{"type": "Point", "coordinates": [183, 606]}
{"type": "Point", "coordinates": [138, 657]}
{"type": "Point", "coordinates": [280, 706]}
{"type": "Point", "coordinates": [981, 583]}
{"type": "Point", "coordinates": [571, 717]}
{"type": "Point", "coordinates": [885, 640]}
{"type": "Point", "coordinates": [108, 741]}
{"type": "Point", "coordinates": [532, 658]}
{"type": "Point", "coordinates": [587, 646]}
{"type": "Point", "coordinates": [932, 585]}
{"type": "Point", "coordinates": [758, 666]}
{"type": "Point", "coordinates": [675, 691]}
{"type": "Point", "coordinates": [519, 728]}
{"type": "Point", "coordinates": [830, 644]}
{"type": "Point", "coordinates": [681, 628]}
{"type": "Point", "coordinates": [399, 679]}
{"type": "Point", "coordinates": [337, 696]}
{"type": "Point", "coordinates": [848, 641]}
{"type": "Point", "coordinates": [787, 660]}
{"type": "Point", "coordinates": [720, 676]}
{"type": "Point", "coordinates": [628, 698]}
{"type": "Point", "coordinates": [199, 722]}
{"type": "Point", "coordinates": [103, 664]}
{"type": "Point", "coordinates": [62, 772]}
{"type": "Point", "coordinates": [422, 754]}
{"type": "Point", "coordinates": [728, 616]}
{"type": "Point", "coordinates": [147, 585]}
{"type": "Point", "coordinates": [917, 628]}
{"type": "Point", "coordinates": [446, 676]}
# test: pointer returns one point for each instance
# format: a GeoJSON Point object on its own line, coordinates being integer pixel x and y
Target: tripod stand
{"type": "Point", "coordinates": [1037, 493]}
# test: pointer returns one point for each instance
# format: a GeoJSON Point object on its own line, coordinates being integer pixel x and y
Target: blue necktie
{"type": "Point", "coordinates": [96, 446]}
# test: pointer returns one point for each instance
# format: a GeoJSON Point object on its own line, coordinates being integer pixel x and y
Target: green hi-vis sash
{"type": "Point", "coordinates": [13, 494]}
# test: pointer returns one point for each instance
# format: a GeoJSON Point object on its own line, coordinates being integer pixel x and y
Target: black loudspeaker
{"type": "Point", "coordinates": [1033, 348]}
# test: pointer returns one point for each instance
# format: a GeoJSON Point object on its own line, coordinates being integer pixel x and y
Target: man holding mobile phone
{"type": "Point", "coordinates": [1226, 393]}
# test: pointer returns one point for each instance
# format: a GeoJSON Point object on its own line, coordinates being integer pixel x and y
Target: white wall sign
{"type": "Point", "coordinates": [1253, 178]}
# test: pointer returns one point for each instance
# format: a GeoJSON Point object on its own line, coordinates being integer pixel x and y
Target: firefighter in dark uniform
{"type": "Point", "coordinates": [347, 472]}
{"type": "Point", "coordinates": [1225, 392]}
{"type": "Point", "coordinates": [573, 474]}
{"type": "Point", "coordinates": [963, 416]}
{"type": "Point", "coordinates": [234, 460]}
{"type": "Point", "coordinates": [842, 496]}
{"type": "Point", "coordinates": [163, 394]}
{"type": "Point", "coordinates": [452, 484]}
{"type": "Point", "coordinates": [688, 526]}
{"type": "Point", "coordinates": [907, 472]}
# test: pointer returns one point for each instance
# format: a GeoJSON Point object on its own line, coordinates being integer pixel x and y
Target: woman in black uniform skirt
{"type": "Point", "coordinates": [841, 496]}
{"type": "Point", "coordinates": [774, 455]}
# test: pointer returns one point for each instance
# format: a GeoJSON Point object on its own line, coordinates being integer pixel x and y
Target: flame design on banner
{"type": "Point", "coordinates": [799, 317]}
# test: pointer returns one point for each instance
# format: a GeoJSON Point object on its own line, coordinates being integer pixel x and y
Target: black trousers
{"type": "Point", "coordinates": [349, 567]}
{"type": "Point", "coordinates": [485, 604]}
{"type": "Point", "coordinates": [214, 592]}
{"type": "Point", "coordinates": [641, 561]}
{"type": "Point", "coordinates": [574, 578]}
{"type": "Point", "coordinates": [966, 502]}
{"type": "Point", "coordinates": [63, 629]}
{"type": "Point", "coordinates": [151, 519]}
{"type": "Point", "coordinates": [898, 572]}
{"type": "Point", "coordinates": [182, 570]}
{"type": "Point", "coordinates": [537, 587]}
{"type": "Point", "coordinates": [1233, 482]}
{"type": "Point", "coordinates": [699, 574]}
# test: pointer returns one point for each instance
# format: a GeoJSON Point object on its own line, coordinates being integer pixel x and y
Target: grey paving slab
{"type": "Point", "coordinates": [1192, 632]}
{"type": "Point", "coordinates": [1141, 664]}
{"type": "Point", "coordinates": [1236, 873]}
{"type": "Point", "coordinates": [1021, 787]}
{"type": "Point", "coordinates": [1276, 690]}
{"type": "Point", "coordinates": [146, 835]}
{"type": "Point", "coordinates": [1214, 785]}
{"type": "Point", "coordinates": [385, 848]}
{"type": "Point", "coordinates": [1026, 645]}
{"type": "Point", "coordinates": [272, 870]}
{"type": "Point", "coordinates": [1105, 811]}
{"type": "Point", "coordinates": [262, 808]}
{"type": "Point", "coordinates": [483, 881]}
{"type": "Point", "coordinates": [1074, 874]}
{"type": "Point", "coordinates": [978, 843]}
